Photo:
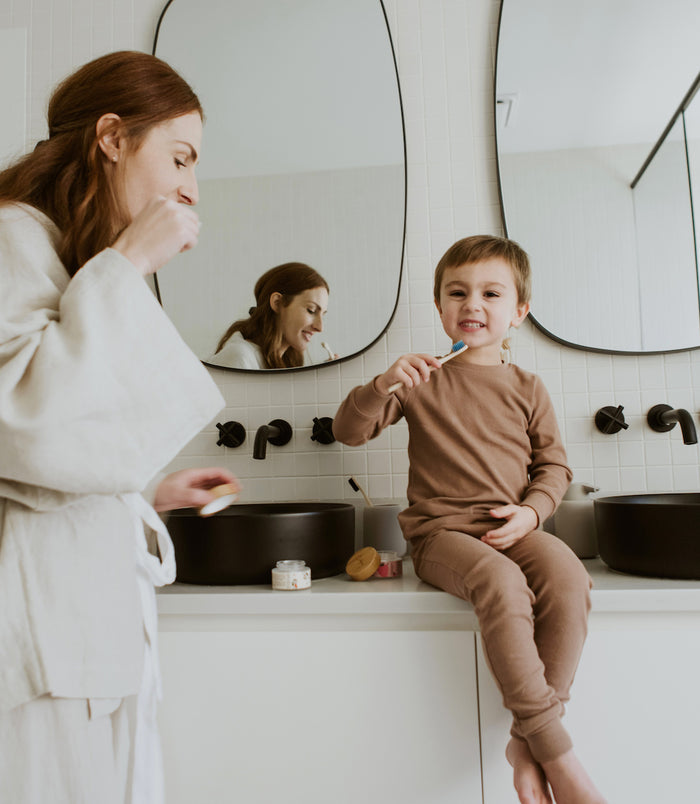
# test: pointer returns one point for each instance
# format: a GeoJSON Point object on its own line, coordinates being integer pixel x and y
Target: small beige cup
{"type": "Point", "coordinates": [380, 528]}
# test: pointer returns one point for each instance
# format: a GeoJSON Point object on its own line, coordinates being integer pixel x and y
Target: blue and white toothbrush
{"type": "Point", "coordinates": [457, 349]}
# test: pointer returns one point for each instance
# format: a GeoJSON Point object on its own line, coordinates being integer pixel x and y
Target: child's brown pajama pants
{"type": "Point", "coordinates": [532, 601]}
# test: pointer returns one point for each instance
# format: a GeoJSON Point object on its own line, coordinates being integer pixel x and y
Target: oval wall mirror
{"type": "Point", "coordinates": [584, 94]}
{"type": "Point", "coordinates": [303, 160]}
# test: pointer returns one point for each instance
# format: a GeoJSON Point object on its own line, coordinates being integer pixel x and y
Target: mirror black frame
{"type": "Point", "coordinates": [530, 316]}
{"type": "Point", "coordinates": [317, 366]}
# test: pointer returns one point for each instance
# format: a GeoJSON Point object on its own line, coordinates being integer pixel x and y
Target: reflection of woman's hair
{"type": "Point", "coordinates": [67, 176]}
{"type": "Point", "coordinates": [262, 325]}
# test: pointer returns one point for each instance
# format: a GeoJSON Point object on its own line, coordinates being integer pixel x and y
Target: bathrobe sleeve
{"type": "Point", "coordinates": [365, 413]}
{"type": "Point", "coordinates": [97, 389]}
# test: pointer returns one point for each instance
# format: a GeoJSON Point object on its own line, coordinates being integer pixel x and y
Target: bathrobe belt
{"type": "Point", "coordinates": [151, 571]}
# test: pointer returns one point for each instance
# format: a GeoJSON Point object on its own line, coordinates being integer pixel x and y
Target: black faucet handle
{"type": "Point", "coordinates": [231, 434]}
{"type": "Point", "coordinates": [610, 420]}
{"type": "Point", "coordinates": [323, 430]}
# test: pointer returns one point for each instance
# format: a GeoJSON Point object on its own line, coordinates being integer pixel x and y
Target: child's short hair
{"type": "Point", "coordinates": [485, 247]}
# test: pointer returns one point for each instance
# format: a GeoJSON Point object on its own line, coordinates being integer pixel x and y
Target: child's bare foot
{"type": "Point", "coordinates": [528, 777]}
{"type": "Point", "coordinates": [569, 781]}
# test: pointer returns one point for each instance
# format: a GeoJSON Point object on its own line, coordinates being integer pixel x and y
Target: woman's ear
{"type": "Point", "coordinates": [275, 301]}
{"type": "Point", "coordinates": [108, 136]}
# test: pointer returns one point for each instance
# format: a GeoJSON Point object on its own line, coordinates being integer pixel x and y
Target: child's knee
{"type": "Point", "coordinates": [559, 560]}
{"type": "Point", "coordinates": [573, 574]}
{"type": "Point", "coordinates": [502, 586]}
{"type": "Point", "coordinates": [568, 584]}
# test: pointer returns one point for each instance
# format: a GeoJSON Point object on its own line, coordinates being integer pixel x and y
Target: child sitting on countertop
{"type": "Point", "coordinates": [487, 467]}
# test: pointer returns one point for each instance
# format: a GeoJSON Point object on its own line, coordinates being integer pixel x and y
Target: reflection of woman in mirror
{"type": "Point", "coordinates": [290, 302]}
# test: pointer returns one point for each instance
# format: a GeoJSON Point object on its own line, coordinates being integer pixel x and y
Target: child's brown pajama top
{"type": "Point", "coordinates": [481, 437]}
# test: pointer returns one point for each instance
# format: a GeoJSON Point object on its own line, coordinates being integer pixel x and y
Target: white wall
{"type": "Point", "coordinates": [446, 53]}
{"type": "Point", "coordinates": [13, 60]}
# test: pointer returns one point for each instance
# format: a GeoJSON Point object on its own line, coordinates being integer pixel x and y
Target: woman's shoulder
{"type": "Point", "coordinates": [28, 248]}
{"type": "Point", "coordinates": [18, 216]}
{"type": "Point", "coordinates": [237, 352]}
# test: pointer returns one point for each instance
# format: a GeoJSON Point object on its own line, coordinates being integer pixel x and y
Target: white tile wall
{"type": "Point", "coordinates": [445, 53]}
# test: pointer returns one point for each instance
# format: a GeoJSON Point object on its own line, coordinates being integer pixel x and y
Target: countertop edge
{"type": "Point", "coordinates": [612, 593]}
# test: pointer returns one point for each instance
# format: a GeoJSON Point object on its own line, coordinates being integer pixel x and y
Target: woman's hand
{"type": "Point", "coordinates": [409, 370]}
{"type": "Point", "coordinates": [521, 519]}
{"type": "Point", "coordinates": [161, 230]}
{"type": "Point", "coordinates": [189, 488]}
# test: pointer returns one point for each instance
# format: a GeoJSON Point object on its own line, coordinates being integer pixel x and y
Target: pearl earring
{"type": "Point", "coordinates": [114, 158]}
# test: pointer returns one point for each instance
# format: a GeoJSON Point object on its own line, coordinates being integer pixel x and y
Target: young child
{"type": "Point", "coordinates": [487, 467]}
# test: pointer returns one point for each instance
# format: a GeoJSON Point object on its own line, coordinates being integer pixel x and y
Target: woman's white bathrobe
{"type": "Point", "coordinates": [97, 393]}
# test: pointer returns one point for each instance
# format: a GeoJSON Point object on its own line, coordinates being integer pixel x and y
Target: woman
{"type": "Point", "coordinates": [97, 393]}
{"type": "Point", "coordinates": [290, 302]}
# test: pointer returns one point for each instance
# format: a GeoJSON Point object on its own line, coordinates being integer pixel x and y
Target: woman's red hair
{"type": "Point", "coordinates": [67, 176]}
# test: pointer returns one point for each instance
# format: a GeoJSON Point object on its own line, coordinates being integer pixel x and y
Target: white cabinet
{"type": "Point", "coordinates": [633, 715]}
{"type": "Point", "coordinates": [378, 692]}
{"type": "Point", "coordinates": [255, 717]}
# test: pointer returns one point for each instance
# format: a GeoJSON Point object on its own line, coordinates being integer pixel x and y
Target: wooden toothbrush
{"type": "Point", "coordinates": [457, 349]}
{"type": "Point", "coordinates": [357, 487]}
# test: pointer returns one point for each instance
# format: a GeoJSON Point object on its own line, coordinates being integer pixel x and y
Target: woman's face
{"type": "Point", "coordinates": [164, 164]}
{"type": "Point", "coordinates": [302, 318]}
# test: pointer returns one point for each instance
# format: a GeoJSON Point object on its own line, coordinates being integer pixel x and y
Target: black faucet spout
{"type": "Point", "coordinates": [277, 432]}
{"type": "Point", "coordinates": [262, 435]}
{"type": "Point", "coordinates": [663, 418]}
{"type": "Point", "coordinates": [686, 422]}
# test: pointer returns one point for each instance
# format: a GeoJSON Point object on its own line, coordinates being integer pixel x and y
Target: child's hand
{"type": "Point", "coordinates": [409, 370]}
{"type": "Point", "coordinates": [521, 520]}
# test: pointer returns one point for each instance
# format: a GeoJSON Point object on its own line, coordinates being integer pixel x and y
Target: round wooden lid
{"type": "Point", "coordinates": [363, 564]}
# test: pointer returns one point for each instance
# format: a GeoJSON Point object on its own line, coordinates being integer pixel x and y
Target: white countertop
{"type": "Point", "coordinates": [613, 592]}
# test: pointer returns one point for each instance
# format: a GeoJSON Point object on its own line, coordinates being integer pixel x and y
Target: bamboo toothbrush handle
{"type": "Point", "coordinates": [357, 487]}
{"type": "Point", "coordinates": [442, 360]}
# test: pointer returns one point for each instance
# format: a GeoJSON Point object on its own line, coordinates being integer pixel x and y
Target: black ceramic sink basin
{"type": "Point", "coordinates": [241, 544]}
{"type": "Point", "coordinates": [650, 534]}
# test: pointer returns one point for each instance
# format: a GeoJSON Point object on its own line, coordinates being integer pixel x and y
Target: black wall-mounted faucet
{"type": "Point", "coordinates": [663, 418]}
{"type": "Point", "coordinates": [277, 432]}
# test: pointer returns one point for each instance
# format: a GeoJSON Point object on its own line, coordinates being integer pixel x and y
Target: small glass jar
{"type": "Point", "coordinates": [390, 565]}
{"type": "Point", "coordinates": [291, 574]}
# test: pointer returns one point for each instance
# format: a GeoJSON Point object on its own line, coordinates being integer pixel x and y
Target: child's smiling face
{"type": "Point", "coordinates": [478, 304]}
